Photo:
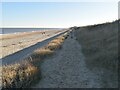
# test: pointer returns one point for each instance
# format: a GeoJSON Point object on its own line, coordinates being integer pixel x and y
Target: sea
{"type": "Point", "coordinates": [19, 30]}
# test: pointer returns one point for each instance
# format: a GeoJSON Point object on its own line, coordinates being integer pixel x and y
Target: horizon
{"type": "Point", "coordinates": [61, 27]}
{"type": "Point", "coordinates": [57, 14]}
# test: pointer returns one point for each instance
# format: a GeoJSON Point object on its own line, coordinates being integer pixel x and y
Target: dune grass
{"type": "Point", "coordinates": [100, 45]}
{"type": "Point", "coordinates": [41, 53]}
{"type": "Point", "coordinates": [53, 45]}
{"type": "Point", "coordinates": [27, 72]}
{"type": "Point", "coordinates": [19, 75]}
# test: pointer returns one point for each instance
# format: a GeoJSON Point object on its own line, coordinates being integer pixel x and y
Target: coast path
{"type": "Point", "coordinates": [67, 69]}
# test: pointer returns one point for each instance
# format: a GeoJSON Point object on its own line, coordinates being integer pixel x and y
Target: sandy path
{"type": "Point", "coordinates": [67, 69]}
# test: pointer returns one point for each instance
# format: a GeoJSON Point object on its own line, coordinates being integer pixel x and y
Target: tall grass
{"type": "Point", "coordinates": [53, 45]}
{"type": "Point", "coordinates": [19, 75]}
{"type": "Point", "coordinates": [25, 73]}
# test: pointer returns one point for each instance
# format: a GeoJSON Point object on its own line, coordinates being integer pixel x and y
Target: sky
{"type": "Point", "coordinates": [57, 14]}
{"type": "Point", "coordinates": [59, 0]}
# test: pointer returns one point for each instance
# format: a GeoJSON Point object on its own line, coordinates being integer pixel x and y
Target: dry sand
{"type": "Point", "coordinates": [12, 43]}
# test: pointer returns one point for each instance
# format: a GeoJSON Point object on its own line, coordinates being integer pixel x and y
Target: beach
{"type": "Point", "coordinates": [11, 43]}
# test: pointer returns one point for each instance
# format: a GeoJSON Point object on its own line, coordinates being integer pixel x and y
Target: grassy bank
{"type": "Point", "coordinates": [28, 71]}
{"type": "Point", "coordinates": [100, 47]}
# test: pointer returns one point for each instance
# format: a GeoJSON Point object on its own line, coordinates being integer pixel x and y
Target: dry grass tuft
{"type": "Point", "coordinates": [41, 53]}
{"type": "Point", "coordinates": [18, 75]}
{"type": "Point", "coordinates": [28, 71]}
{"type": "Point", "coordinates": [56, 44]}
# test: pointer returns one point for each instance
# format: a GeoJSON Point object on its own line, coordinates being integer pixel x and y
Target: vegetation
{"type": "Point", "coordinates": [100, 47]}
{"type": "Point", "coordinates": [25, 73]}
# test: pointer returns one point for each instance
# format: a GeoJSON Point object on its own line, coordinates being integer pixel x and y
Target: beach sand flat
{"type": "Point", "coordinates": [16, 42]}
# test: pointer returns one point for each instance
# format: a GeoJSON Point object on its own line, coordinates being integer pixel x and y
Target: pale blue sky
{"type": "Point", "coordinates": [57, 14]}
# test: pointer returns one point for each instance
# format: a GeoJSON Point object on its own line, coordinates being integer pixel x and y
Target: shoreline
{"type": "Point", "coordinates": [13, 43]}
{"type": "Point", "coordinates": [20, 34]}
{"type": "Point", "coordinates": [22, 30]}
